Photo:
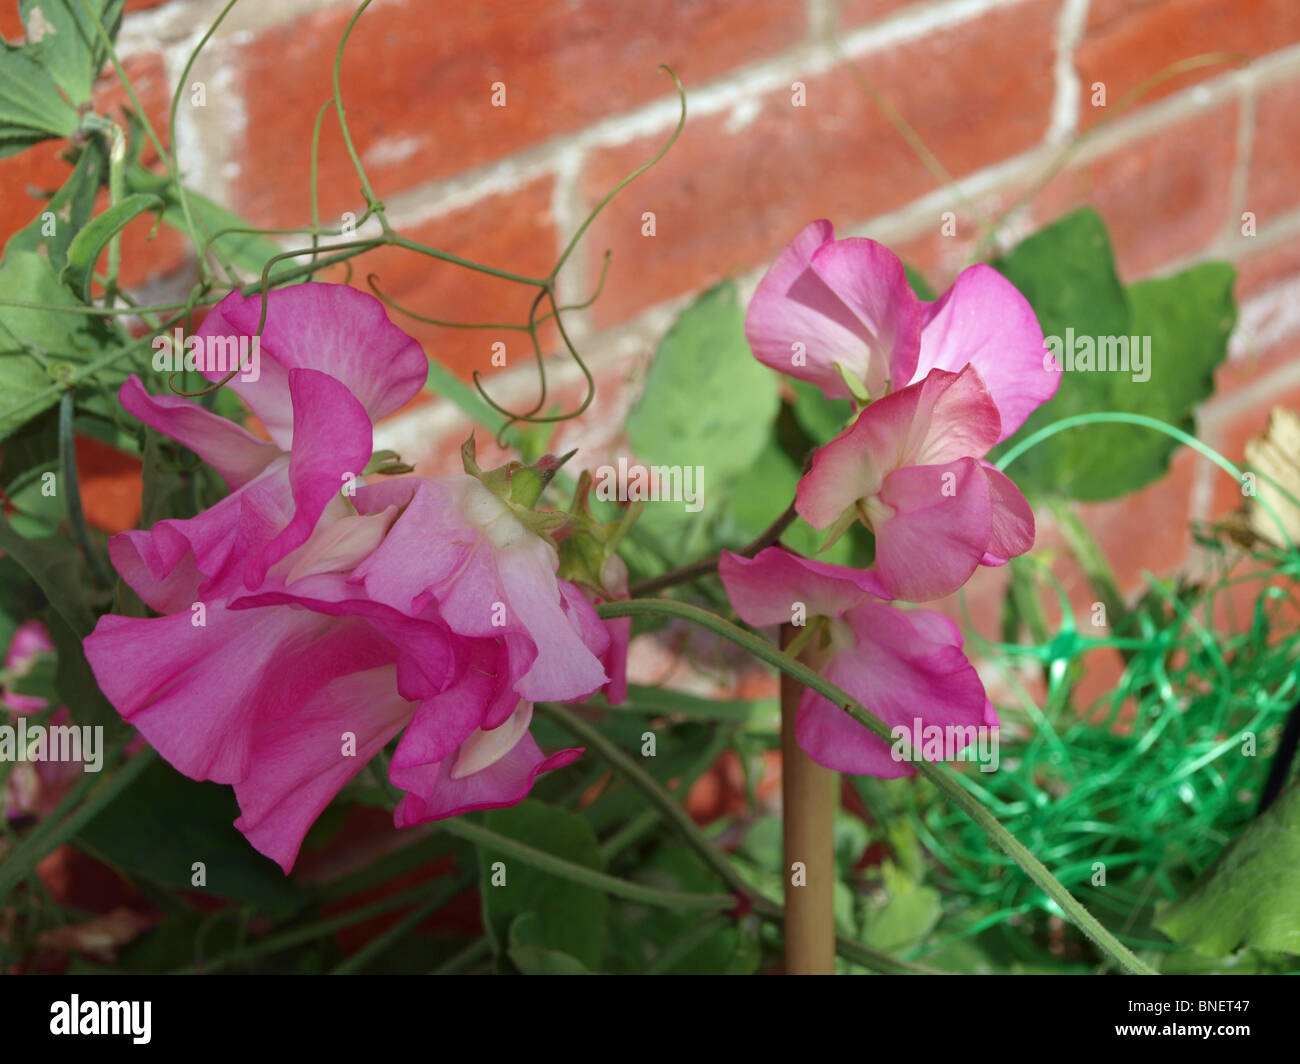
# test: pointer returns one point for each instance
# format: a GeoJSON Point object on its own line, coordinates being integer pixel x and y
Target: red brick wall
{"type": "Point", "coordinates": [995, 88]}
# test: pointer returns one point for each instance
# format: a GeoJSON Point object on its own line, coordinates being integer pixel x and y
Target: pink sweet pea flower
{"type": "Point", "coordinates": [331, 365]}
{"type": "Point", "coordinates": [290, 651]}
{"type": "Point", "coordinates": [33, 786]}
{"type": "Point", "coordinates": [458, 545]}
{"type": "Point", "coordinates": [288, 691]}
{"type": "Point", "coordinates": [828, 308]}
{"type": "Point", "coordinates": [910, 467]}
{"type": "Point", "coordinates": [902, 665]}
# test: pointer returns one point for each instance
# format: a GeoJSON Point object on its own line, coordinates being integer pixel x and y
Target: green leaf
{"type": "Point", "coordinates": [906, 917]}
{"type": "Point", "coordinates": [75, 682]}
{"type": "Point", "coordinates": [38, 347]}
{"type": "Point", "coordinates": [821, 418]}
{"type": "Point", "coordinates": [63, 39]}
{"type": "Point", "coordinates": [185, 822]}
{"type": "Point", "coordinates": [919, 284]}
{"type": "Point", "coordinates": [567, 918]}
{"type": "Point", "coordinates": [90, 242]}
{"type": "Point", "coordinates": [1067, 273]}
{"type": "Point", "coordinates": [64, 215]}
{"type": "Point", "coordinates": [531, 956]}
{"type": "Point", "coordinates": [58, 569]}
{"type": "Point", "coordinates": [707, 401]}
{"type": "Point", "coordinates": [31, 108]}
{"type": "Point", "coordinates": [646, 939]}
{"type": "Point", "coordinates": [1250, 896]}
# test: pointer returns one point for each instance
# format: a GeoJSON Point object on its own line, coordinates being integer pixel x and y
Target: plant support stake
{"type": "Point", "coordinates": [808, 811]}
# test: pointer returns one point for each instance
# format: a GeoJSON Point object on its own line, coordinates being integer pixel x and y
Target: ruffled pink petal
{"type": "Point", "coordinates": [327, 327]}
{"type": "Point", "coordinates": [481, 697]}
{"type": "Point", "coordinates": [827, 302]}
{"type": "Point", "coordinates": [457, 544]}
{"type": "Point", "coordinates": [565, 667]}
{"type": "Point", "coordinates": [198, 694]}
{"type": "Point", "coordinates": [434, 795]}
{"type": "Point", "coordinates": [429, 656]}
{"type": "Point", "coordinates": [332, 443]}
{"type": "Point", "coordinates": [178, 562]}
{"type": "Point", "coordinates": [1012, 518]}
{"type": "Point", "coordinates": [902, 664]}
{"type": "Point", "coordinates": [984, 321]}
{"type": "Point", "coordinates": [299, 761]}
{"type": "Point", "coordinates": [940, 527]}
{"type": "Point", "coordinates": [943, 417]}
{"type": "Point", "coordinates": [871, 282]}
{"type": "Point", "coordinates": [765, 589]}
{"type": "Point", "coordinates": [233, 452]}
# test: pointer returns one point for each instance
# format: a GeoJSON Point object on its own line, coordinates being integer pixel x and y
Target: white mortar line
{"type": "Point", "coordinates": [1065, 105]}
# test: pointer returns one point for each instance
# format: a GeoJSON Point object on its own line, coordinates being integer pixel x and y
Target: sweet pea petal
{"type": "Point", "coordinates": [831, 302]}
{"type": "Point", "coordinates": [943, 417]}
{"type": "Point", "coordinates": [903, 665]}
{"type": "Point", "coordinates": [332, 441]}
{"type": "Point", "coordinates": [198, 693]}
{"type": "Point", "coordinates": [297, 763]}
{"type": "Point", "coordinates": [984, 321]}
{"type": "Point", "coordinates": [764, 589]}
{"type": "Point", "coordinates": [331, 328]}
{"type": "Point", "coordinates": [236, 454]}
{"type": "Point", "coordinates": [940, 527]}
{"type": "Point", "coordinates": [1012, 519]}
{"type": "Point", "coordinates": [871, 282]}
{"type": "Point", "coordinates": [434, 795]}
{"type": "Point", "coordinates": [489, 576]}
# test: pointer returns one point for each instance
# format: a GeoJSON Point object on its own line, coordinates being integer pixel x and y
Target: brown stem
{"type": "Point", "coordinates": [707, 565]}
{"type": "Point", "coordinates": [808, 810]}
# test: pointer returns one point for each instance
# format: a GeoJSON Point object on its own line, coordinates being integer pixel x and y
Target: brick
{"type": "Point", "coordinates": [418, 89]}
{"type": "Point", "coordinates": [11, 25]}
{"type": "Point", "coordinates": [509, 231]}
{"type": "Point", "coordinates": [940, 256]}
{"type": "Point", "coordinates": [854, 13]}
{"type": "Point", "coordinates": [28, 179]}
{"type": "Point", "coordinates": [1275, 152]}
{"type": "Point", "coordinates": [110, 482]}
{"type": "Point", "coordinates": [1128, 42]}
{"type": "Point", "coordinates": [732, 192]}
{"type": "Point", "coordinates": [1257, 271]}
{"type": "Point", "coordinates": [1163, 195]}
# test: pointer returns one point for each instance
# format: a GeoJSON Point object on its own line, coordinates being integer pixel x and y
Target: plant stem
{"type": "Point", "coordinates": [581, 874]}
{"type": "Point", "coordinates": [807, 822]}
{"type": "Point", "coordinates": [937, 774]}
{"type": "Point", "coordinates": [705, 566]}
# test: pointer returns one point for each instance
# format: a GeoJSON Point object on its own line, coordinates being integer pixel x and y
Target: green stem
{"type": "Point", "coordinates": [943, 779]}
{"type": "Point", "coordinates": [659, 798]}
{"type": "Point", "coordinates": [72, 493]}
{"type": "Point", "coordinates": [587, 877]}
